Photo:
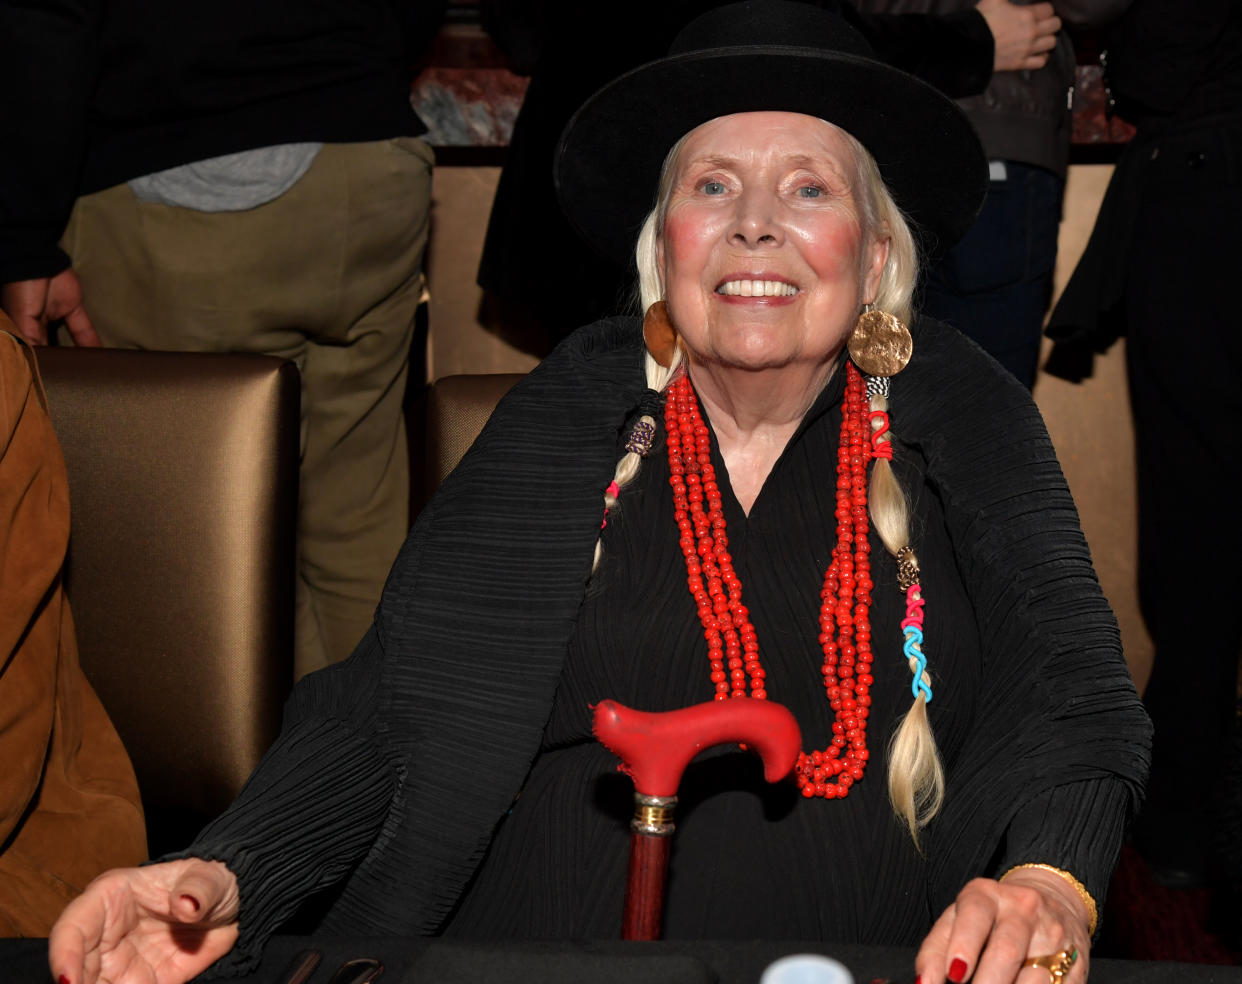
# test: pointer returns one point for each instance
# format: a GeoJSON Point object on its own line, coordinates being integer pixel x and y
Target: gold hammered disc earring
{"type": "Point", "coordinates": [880, 344]}
{"type": "Point", "coordinates": [659, 335]}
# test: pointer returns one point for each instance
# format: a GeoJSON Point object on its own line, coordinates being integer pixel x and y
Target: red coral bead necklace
{"type": "Point", "coordinates": [845, 600]}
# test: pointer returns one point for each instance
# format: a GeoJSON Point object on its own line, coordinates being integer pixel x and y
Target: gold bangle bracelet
{"type": "Point", "coordinates": [1093, 912]}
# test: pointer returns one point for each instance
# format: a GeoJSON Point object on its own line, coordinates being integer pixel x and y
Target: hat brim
{"type": "Point", "coordinates": [610, 154]}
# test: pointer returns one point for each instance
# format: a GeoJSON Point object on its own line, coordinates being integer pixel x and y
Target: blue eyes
{"type": "Point", "coordinates": [715, 188]}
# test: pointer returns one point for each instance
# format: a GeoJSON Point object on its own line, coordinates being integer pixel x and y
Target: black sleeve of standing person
{"type": "Point", "coordinates": [516, 27]}
{"type": "Point", "coordinates": [422, 22]}
{"type": "Point", "coordinates": [954, 52]}
{"type": "Point", "coordinates": [47, 76]}
{"type": "Point", "coordinates": [1170, 59]}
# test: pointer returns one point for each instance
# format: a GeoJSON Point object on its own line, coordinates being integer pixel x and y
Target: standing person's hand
{"type": "Point", "coordinates": [1022, 36]}
{"type": "Point", "coordinates": [32, 304]}
{"type": "Point", "coordinates": [162, 924]}
{"type": "Point", "coordinates": [994, 929]}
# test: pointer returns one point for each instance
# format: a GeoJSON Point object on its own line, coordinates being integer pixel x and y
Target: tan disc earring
{"type": "Point", "coordinates": [659, 334]}
{"type": "Point", "coordinates": [880, 344]}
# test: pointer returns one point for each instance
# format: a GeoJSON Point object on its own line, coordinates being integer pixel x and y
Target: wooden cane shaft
{"type": "Point", "coordinates": [644, 887]}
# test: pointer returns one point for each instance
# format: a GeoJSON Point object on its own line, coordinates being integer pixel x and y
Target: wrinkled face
{"type": "Point", "coordinates": [764, 257]}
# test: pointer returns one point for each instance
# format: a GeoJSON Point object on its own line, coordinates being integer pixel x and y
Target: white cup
{"type": "Point", "coordinates": [806, 968]}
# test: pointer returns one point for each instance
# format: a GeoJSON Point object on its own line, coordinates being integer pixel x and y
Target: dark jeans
{"type": "Point", "coordinates": [996, 283]}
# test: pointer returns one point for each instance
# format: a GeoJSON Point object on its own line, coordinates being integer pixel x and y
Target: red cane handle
{"type": "Point", "coordinates": [656, 747]}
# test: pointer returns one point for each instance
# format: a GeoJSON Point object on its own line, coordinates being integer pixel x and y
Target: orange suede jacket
{"type": "Point", "coordinates": [69, 805]}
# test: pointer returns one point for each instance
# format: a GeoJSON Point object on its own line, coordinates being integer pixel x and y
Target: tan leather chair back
{"type": "Point", "coordinates": [457, 409]}
{"type": "Point", "coordinates": [183, 489]}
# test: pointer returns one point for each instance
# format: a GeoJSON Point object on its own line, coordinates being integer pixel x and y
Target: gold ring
{"type": "Point", "coordinates": [1057, 964]}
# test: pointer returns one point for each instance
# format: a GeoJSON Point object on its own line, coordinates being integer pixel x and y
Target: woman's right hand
{"type": "Point", "coordinates": [161, 924]}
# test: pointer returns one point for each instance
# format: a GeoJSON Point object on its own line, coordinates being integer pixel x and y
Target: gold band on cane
{"type": "Point", "coordinates": [1093, 913]}
{"type": "Point", "coordinates": [1057, 964]}
{"type": "Point", "coordinates": [653, 815]}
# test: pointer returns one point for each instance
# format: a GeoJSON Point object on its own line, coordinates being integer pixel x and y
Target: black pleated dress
{"type": "Point", "coordinates": [748, 859]}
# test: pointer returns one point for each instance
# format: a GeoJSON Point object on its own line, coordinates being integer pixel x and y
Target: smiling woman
{"type": "Point", "coordinates": [764, 255]}
{"type": "Point", "coordinates": [768, 243]}
{"type": "Point", "coordinates": [758, 493]}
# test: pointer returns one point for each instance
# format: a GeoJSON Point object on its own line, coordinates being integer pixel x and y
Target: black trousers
{"type": "Point", "coordinates": [995, 284]}
{"type": "Point", "coordinates": [1184, 358]}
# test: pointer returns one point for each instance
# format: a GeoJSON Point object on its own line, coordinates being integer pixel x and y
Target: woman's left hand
{"type": "Point", "coordinates": [994, 928]}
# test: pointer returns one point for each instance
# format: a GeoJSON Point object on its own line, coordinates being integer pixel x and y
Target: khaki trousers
{"type": "Point", "coordinates": [328, 275]}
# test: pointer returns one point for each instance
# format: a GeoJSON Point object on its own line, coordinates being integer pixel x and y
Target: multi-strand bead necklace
{"type": "Point", "coordinates": [844, 614]}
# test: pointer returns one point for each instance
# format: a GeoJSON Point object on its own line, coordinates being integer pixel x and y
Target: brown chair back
{"type": "Point", "coordinates": [183, 490]}
{"type": "Point", "coordinates": [457, 409]}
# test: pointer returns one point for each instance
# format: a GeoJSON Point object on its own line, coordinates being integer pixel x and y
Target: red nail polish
{"type": "Point", "coordinates": [957, 970]}
{"type": "Point", "coordinates": [63, 979]}
{"type": "Point", "coordinates": [918, 979]}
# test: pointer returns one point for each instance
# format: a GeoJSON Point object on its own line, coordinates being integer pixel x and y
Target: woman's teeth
{"type": "Point", "coordinates": [757, 288]}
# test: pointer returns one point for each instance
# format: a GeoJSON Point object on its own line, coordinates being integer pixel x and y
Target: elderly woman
{"type": "Point", "coordinates": [742, 498]}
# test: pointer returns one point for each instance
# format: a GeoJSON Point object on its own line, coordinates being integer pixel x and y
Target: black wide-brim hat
{"type": "Point", "coordinates": [764, 55]}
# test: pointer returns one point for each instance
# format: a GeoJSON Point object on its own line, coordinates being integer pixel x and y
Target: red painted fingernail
{"type": "Point", "coordinates": [63, 979]}
{"type": "Point", "coordinates": [918, 979]}
{"type": "Point", "coordinates": [957, 970]}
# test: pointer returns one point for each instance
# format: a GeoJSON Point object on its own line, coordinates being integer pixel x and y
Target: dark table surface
{"type": "Point", "coordinates": [417, 961]}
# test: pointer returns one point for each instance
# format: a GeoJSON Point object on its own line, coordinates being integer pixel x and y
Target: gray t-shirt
{"type": "Point", "coordinates": [231, 183]}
